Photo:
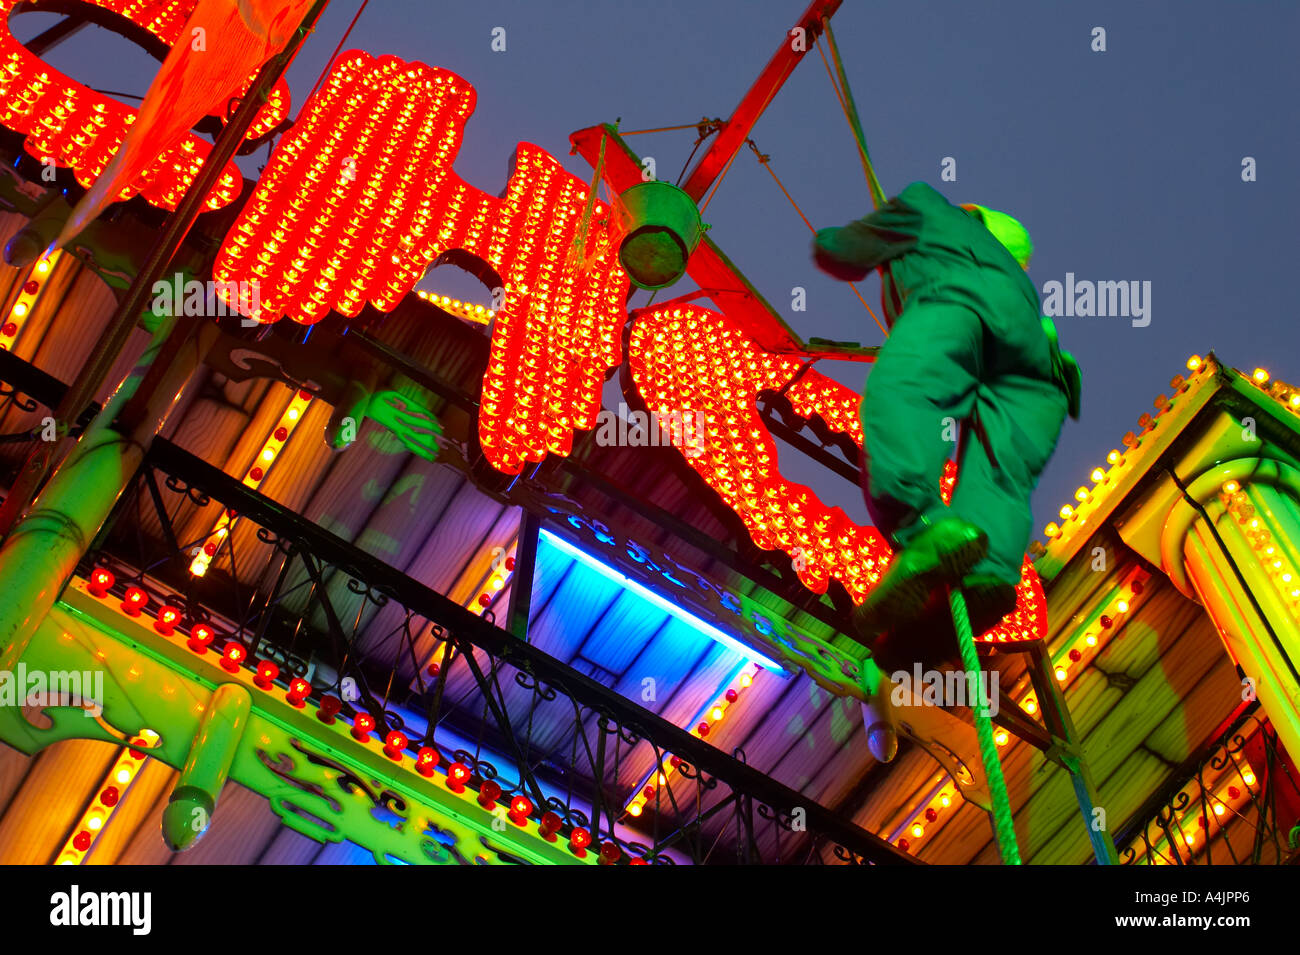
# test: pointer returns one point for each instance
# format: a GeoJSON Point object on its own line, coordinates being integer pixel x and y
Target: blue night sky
{"type": "Point", "coordinates": [1124, 165]}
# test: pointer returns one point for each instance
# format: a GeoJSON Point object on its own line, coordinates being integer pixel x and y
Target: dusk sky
{"type": "Point", "coordinates": [1124, 164]}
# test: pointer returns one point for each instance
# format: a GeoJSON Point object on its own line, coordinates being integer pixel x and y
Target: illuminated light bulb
{"type": "Point", "coordinates": [1098, 475]}
{"type": "Point", "coordinates": [95, 823]}
{"type": "Point", "coordinates": [1260, 376]}
{"type": "Point", "coordinates": [268, 455]}
{"type": "Point", "coordinates": [521, 807]}
{"type": "Point", "coordinates": [1081, 495]}
{"type": "Point", "coordinates": [578, 842]}
{"type": "Point", "coordinates": [200, 636]}
{"type": "Point", "coordinates": [1090, 639]}
{"type": "Point", "coordinates": [166, 621]}
{"type": "Point", "coordinates": [1113, 457]}
{"type": "Point", "coordinates": [457, 776]}
{"type": "Point", "coordinates": [266, 673]}
{"type": "Point", "coordinates": [1052, 529]}
{"type": "Point", "coordinates": [426, 761]}
{"type": "Point", "coordinates": [716, 714]}
{"type": "Point", "coordinates": [299, 690]}
{"type": "Point", "coordinates": [43, 266]}
{"type": "Point", "coordinates": [1061, 674]}
{"type": "Point", "coordinates": [918, 831]}
{"type": "Point", "coordinates": [1218, 809]}
{"type": "Point", "coordinates": [100, 582]}
{"type": "Point", "coordinates": [233, 656]}
{"type": "Point", "coordinates": [634, 809]}
{"type": "Point", "coordinates": [394, 744]}
{"type": "Point", "coordinates": [362, 725]}
{"type": "Point", "coordinates": [1031, 706]}
{"type": "Point", "coordinates": [1231, 487]}
{"type": "Point", "coordinates": [123, 776]}
{"type": "Point", "coordinates": [945, 800]}
{"type": "Point", "coordinates": [1121, 606]}
{"type": "Point", "coordinates": [19, 310]}
{"type": "Point", "coordinates": [1067, 512]}
{"type": "Point", "coordinates": [1001, 737]}
{"type": "Point", "coordinates": [134, 601]}
{"type": "Point", "coordinates": [1248, 778]}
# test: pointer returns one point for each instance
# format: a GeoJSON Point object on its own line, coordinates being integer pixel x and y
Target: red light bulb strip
{"type": "Point", "coordinates": [275, 442]}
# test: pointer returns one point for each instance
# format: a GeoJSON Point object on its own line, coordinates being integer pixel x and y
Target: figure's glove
{"type": "Point", "coordinates": [826, 241]}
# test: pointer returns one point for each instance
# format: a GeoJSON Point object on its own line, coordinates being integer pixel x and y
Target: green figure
{"type": "Point", "coordinates": [967, 346]}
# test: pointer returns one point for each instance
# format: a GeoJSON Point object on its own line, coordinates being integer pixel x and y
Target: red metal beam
{"type": "Point", "coordinates": [736, 130]}
{"type": "Point", "coordinates": [709, 267]}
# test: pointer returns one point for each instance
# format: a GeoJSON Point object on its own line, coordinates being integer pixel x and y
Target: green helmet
{"type": "Point", "coordinates": [1006, 230]}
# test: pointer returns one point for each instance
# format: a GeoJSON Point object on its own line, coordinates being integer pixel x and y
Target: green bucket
{"type": "Point", "coordinates": [661, 228]}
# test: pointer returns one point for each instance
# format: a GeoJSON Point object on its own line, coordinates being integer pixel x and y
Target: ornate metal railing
{"type": "Point", "coordinates": [1235, 801]}
{"type": "Point", "coordinates": [371, 642]}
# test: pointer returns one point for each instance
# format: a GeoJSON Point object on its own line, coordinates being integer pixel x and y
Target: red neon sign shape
{"type": "Point", "coordinates": [687, 360]}
{"type": "Point", "coordinates": [76, 127]}
{"type": "Point", "coordinates": [361, 197]}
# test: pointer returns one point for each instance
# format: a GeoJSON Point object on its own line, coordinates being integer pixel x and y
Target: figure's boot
{"type": "Point", "coordinates": [988, 600]}
{"type": "Point", "coordinates": [941, 554]}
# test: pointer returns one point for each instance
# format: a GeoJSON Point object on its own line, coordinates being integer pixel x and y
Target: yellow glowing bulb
{"type": "Point", "coordinates": [1081, 495]}
{"type": "Point", "coordinates": [1231, 487]}
{"type": "Point", "coordinates": [1113, 457]}
{"type": "Point", "coordinates": [1248, 778]}
{"type": "Point", "coordinates": [717, 713]}
{"type": "Point", "coordinates": [1218, 809]}
{"type": "Point", "coordinates": [663, 780]}
{"type": "Point", "coordinates": [268, 455]}
{"type": "Point", "coordinates": [1098, 475]}
{"type": "Point", "coordinates": [293, 414]}
{"type": "Point", "coordinates": [94, 823]}
{"type": "Point", "coordinates": [1190, 837]}
{"type": "Point", "coordinates": [1067, 512]}
{"type": "Point", "coordinates": [1090, 639]}
{"type": "Point", "coordinates": [1260, 376]}
{"type": "Point", "coordinates": [746, 680]}
{"type": "Point", "coordinates": [1295, 400]}
{"type": "Point", "coordinates": [1031, 706]}
{"type": "Point", "coordinates": [1122, 606]}
{"type": "Point", "coordinates": [43, 266]}
{"type": "Point", "coordinates": [918, 831]}
{"type": "Point", "coordinates": [1001, 738]}
{"type": "Point", "coordinates": [20, 310]}
{"type": "Point", "coordinates": [1052, 529]}
{"type": "Point", "coordinates": [945, 800]}
{"type": "Point", "coordinates": [1061, 674]}
{"type": "Point", "coordinates": [634, 809]}
{"type": "Point", "coordinates": [123, 776]}
{"type": "Point", "coordinates": [198, 567]}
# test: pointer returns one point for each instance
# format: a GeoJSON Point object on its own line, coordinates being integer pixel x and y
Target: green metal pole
{"type": "Point", "coordinates": [41, 553]}
{"type": "Point", "coordinates": [1004, 829]}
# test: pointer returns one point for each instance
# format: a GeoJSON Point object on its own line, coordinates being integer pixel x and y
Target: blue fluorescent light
{"type": "Point", "coordinates": [645, 593]}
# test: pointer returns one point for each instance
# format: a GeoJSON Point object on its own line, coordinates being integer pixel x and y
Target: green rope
{"type": "Point", "coordinates": [851, 113]}
{"type": "Point", "coordinates": [1003, 823]}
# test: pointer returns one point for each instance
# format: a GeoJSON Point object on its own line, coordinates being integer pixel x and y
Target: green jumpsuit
{"type": "Point", "coordinates": [966, 343]}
